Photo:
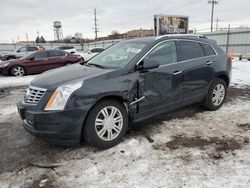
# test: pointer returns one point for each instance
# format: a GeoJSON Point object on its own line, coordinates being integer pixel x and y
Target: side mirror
{"type": "Point", "coordinates": [32, 58]}
{"type": "Point", "coordinates": [148, 64]}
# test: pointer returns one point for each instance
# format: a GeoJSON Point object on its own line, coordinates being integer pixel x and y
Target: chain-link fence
{"type": "Point", "coordinates": [233, 41]}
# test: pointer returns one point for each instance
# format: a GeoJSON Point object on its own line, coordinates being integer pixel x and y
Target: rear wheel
{"type": "Point", "coordinates": [216, 95]}
{"type": "Point", "coordinates": [67, 63]}
{"type": "Point", "coordinates": [106, 124]}
{"type": "Point", "coordinates": [17, 71]}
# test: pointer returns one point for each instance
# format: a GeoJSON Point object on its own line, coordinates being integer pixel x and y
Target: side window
{"type": "Point", "coordinates": [164, 53]}
{"type": "Point", "coordinates": [63, 53]}
{"type": "Point", "coordinates": [41, 54]}
{"type": "Point", "coordinates": [23, 49]}
{"type": "Point", "coordinates": [55, 53]}
{"type": "Point", "coordinates": [99, 49]}
{"type": "Point", "coordinates": [32, 48]}
{"type": "Point", "coordinates": [207, 49]}
{"type": "Point", "coordinates": [188, 50]}
{"type": "Point", "coordinates": [93, 50]}
{"type": "Point", "coordinates": [96, 50]}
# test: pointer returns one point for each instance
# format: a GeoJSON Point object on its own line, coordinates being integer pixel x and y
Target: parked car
{"type": "Point", "coordinates": [90, 53]}
{"type": "Point", "coordinates": [38, 62]}
{"type": "Point", "coordinates": [97, 101]}
{"type": "Point", "coordinates": [23, 51]}
{"type": "Point", "coordinates": [69, 49]}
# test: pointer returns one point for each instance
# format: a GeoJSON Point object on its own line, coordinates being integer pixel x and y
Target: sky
{"type": "Point", "coordinates": [18, 17]}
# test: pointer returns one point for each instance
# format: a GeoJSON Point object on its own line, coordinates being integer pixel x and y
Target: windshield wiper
{"type": "Point", "coordinates": [96, 65]}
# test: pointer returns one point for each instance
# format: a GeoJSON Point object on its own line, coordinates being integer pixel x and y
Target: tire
{"type": "Point", "coordinates": [216, 95]}
{"type": "Point", "coordinates": [10, 58]}
{"type": "Point", "coordinates": [68, 63]}
{"type": "Point", "coordinates": [106, 127]}
{"type": "Point", "coordinates": [17, 71]}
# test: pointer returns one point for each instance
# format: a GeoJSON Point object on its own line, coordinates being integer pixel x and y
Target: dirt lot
{"type": "Point", "coordinates": [185, 144]}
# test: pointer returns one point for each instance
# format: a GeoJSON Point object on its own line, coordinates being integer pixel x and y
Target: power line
{"type": "Point", "coordinates": [213, 2]}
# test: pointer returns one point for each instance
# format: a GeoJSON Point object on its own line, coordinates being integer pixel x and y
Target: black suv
{"type": "Point", "coordinates": [129, 82]}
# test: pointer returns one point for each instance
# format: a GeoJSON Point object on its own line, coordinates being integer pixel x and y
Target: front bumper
{"type": "Point", "coordinates": [3, 70]}
{"type": "Point", "coordinates": [56, 127]}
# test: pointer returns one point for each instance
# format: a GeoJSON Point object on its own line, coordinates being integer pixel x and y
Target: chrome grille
{"type": "Point", "coordinates": [34, 95]}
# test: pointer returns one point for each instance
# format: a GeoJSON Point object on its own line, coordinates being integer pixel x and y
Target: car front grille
{"type": "Point", "coordinates": [34, 95]}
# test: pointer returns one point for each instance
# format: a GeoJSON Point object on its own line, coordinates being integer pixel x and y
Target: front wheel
{"type": "Point", "coordinates": [17, 71]}
{"type": "Point", "coordinates": [216, 95]}
{"type": "Point", "coordinates": [106, 124]}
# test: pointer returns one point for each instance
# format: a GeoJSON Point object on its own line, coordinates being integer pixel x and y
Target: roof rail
{"type": "Point", "coordinates": [181, 35]}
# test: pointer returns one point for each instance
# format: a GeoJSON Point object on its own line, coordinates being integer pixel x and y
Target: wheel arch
{"type": "Point", "coordinates": [117, 98]}
{"type": "Point", "coordinates": [224, 77]}
{"type": "Point", "coordinates": [9, 56]}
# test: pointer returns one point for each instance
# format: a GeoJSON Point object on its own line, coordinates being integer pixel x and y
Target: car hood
{"type": "Point", "coordinates": [8, 53]}
{"type": "Point", "coordinates": [65, 75]}
{"type": "Point", "coordinates": [13, 61]}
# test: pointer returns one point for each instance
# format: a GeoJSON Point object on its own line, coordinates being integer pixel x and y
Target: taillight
{"type": "Point", "coordinates": [230, 59]}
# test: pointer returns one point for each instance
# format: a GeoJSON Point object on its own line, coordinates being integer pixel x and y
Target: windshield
{"type": "Point", "coordinates": [117, 56]}
{"type": "Point", "coordinates": [27, 55]}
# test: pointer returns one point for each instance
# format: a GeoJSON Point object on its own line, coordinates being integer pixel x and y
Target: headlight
{"type": "Point", "coordinates": [60, 97]}
{"type": "Point", "coordinates": [4, 64]}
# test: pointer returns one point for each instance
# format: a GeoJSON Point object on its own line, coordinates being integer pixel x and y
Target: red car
{"type": "Point", "coordinates": [38, 62]}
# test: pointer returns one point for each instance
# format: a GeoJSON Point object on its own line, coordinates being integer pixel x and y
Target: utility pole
{"type": "Point", "coordinates": [96, 28]}
{"type": "Point", "coordinates": [217, 23]}
{"type": "Point", "coordinates": [213, 2]}
{"type": "Point", "coordinates": [38, 34]}
{"type": "Point", "coordinates": [27, 38]}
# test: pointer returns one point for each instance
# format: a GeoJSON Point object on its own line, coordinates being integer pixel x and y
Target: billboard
{"type": "Point", "coordinates": [164, 24]}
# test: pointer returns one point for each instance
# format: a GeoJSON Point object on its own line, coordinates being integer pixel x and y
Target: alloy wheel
{"type": "Point", "coordinates": [218, 94]}
{"type": "Point", "coordinates": [109, 123]}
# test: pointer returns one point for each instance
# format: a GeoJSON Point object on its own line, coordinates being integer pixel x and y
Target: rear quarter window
{"type": "Point", "coordinates": [189, 50]}
{"type": "Point", "coordinates": [208, 49]}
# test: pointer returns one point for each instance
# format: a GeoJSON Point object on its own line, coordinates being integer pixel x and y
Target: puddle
{"type": "Point", "coordinates": [219, 145]}
{"type": "Point", "coordinates": [245, 126]}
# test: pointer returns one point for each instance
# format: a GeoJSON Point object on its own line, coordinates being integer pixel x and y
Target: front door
{"type": "Point", "coordinates": [161, 86]}
{"type": "Point", "coordinates": [38, 64]}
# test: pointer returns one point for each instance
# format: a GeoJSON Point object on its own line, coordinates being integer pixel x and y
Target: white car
{"type": "Point", "coordinates": [88, 54]}
{"type": "Point", "coordinates": [23, 51]}
{"type": "Point", "coordinates": [69, 49]}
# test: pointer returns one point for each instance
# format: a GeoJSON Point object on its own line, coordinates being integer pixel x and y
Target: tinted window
{"type": "Point", "coordinates": [188, 50]}
{"type": "Point", "coordinates": [68, 47]}
{"type": "Point", "coordinates": [55, 53]}
{"type": "Point", "coordinates": [97, 50]}
{"type": "Point", "coordinates": [41, 54]}
{"type": "Point", "coordinates": [207, 49]}
{"type": "Point", "coordinates": [32, 48]}
{"type": "Point", "coordinates": [164, 53]}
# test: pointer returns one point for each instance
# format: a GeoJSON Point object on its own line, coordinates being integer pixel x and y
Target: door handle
{"type": "Point", "coordinates": [177, 72]}
{"type": "Point", "coordinates": [209, 62]}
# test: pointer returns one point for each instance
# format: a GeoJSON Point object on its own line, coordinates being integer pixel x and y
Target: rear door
{"type": "Point", "coordinates": [57, 58]}
{"type": "Point", "coordinates": [161, 86]}
{"type": "Point", "coordinates": [196, 70]}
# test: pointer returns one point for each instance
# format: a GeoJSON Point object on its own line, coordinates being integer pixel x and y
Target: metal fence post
{"type": "Point", "coordinates": [228, 36]}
